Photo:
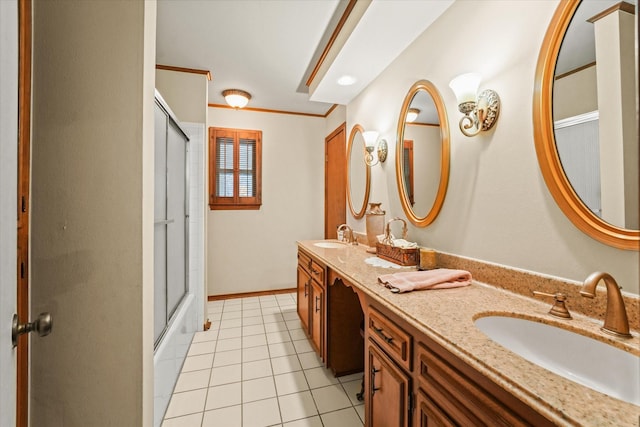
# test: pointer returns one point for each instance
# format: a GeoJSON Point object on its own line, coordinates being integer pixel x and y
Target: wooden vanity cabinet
{"type": "Point", "coordinates": [303, 289]}
{"type": "Point", "coordinates": [311, 296]}
{"type": "Point", "coordinates": [317, 316]}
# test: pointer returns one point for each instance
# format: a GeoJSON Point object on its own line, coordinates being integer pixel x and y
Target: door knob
{"type": "Point", "coordinates": [42, 325]}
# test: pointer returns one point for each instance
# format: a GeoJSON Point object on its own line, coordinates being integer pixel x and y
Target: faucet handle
{"type": "Point", "coordinates": [559, 309]}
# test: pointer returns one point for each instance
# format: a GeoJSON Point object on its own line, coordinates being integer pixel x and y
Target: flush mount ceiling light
{"type": "Point", "coordinates": [236, 98]}
{"type": "Point", "coordinates": [480, 110]}
{"type": "Point", "coordinates": [412, 115]}
{"type": "Point", "coordinates": [346, 80]}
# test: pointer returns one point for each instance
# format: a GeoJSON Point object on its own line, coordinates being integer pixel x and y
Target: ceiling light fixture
{"type": "Point", "coordinates": [412, 115]}
{"type": "Point", "coordinates": [236, 98]}
{"type": "Point", "coordinates": [480, 110]}
{"type": "Point", "coordinates": [346, 80]}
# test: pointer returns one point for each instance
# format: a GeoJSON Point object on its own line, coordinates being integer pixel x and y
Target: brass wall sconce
{"type": "Point", "coordinates": [376, 151]}
{"type": "Point", "coordinates": [480, 110]}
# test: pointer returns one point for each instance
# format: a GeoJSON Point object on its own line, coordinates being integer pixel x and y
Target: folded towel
{"type": "Point", "coordinates": [440, 278]}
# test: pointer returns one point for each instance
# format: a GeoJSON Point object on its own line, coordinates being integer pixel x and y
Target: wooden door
{"type": "Point", "coordinates": [335, 182]}
{"type": "Point", "coordinates": [428, 414]}
{"type": "Point", "coordinates": [388, 391]}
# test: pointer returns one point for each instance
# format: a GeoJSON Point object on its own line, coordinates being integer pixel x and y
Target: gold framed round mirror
{"type": "Point", "coordinates": [422, 153]}
{"type": "Point", "coordinates": [595, 188]}
{"type": "Point", "coordinates": [358, 173]}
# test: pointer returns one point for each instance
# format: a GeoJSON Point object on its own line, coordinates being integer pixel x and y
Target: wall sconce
{"type": "Point", "coordinates": [236, 98]}
{"type": "Point", "coordinates": [480, 111]}
{"type": "Point", "coordinates": [370, 139]}
{"type": "Point", "coordinates": [412, 115]}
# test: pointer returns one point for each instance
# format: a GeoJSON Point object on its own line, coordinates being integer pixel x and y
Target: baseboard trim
{"type": "Point", "coordinates": [250, 294]}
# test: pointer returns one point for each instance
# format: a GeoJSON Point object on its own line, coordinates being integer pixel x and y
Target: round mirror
{"type": "Point", "coordinates": [585, 121]}
{"type": "Point", "coordinates": [422, 153]}
{"type": "Point", "coordinates": [358, 173]}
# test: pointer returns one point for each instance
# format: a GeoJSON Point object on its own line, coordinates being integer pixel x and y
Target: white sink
{"type": "Point", "coordinates": [589, 362]}
{"type": "Point", "coordinates": [329, 245]}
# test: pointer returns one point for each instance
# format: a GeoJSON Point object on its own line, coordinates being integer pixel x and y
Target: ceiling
{"type": "Point", "coordinates": [270, 47]}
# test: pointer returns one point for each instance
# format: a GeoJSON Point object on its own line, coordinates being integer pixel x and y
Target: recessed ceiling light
{"type": "Point", "coordinates": [346, 80]}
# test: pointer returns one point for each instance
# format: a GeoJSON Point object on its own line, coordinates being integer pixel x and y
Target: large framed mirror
{"type": "Point", "coordinates": [422, 153]}
{"type": "Point", "coordinates": [358, 173]}
{"type": "Point", "coordinates": [585, 118]}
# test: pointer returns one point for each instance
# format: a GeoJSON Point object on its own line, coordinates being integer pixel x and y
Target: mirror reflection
{"type": "Point", "coordinates": [358, 173]}
{"type": "Point", "coordinates": [422, 161]}
{"type": "Point", "coordinates": [595, 111]}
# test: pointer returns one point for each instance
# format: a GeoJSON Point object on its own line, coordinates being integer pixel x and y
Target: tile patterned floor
{"type": "Point", "coordinates": [255, 367]}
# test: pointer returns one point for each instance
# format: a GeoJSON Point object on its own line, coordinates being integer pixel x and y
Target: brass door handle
{"type": "Point", "coordinates": [43, 325]}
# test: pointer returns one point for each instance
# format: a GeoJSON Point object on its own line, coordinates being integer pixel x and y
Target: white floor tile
{"type": "Point", "coordinates": [360, 411]}
{"type": "Point", "coordinates": [251, 313]}
{"type": "Point", "coordinates": [255, 353]}
{"type": "Point", "coordinates": [272, 317]}
{"type": "Point", "coordinates": [319, 377]}
{"type": "Point", "coordinates": [250, 305]}
{"type": "Point", "coordinates": [275, 327]}
{"type": "Point", "coordinates": [268, 303]}
{"type": "Point", "coordinates": [261, 413]}
{"type": "Point", "coordinates": [352, 377]}
{"type": "Point", "coordinates": [186, 403]}
{"type": "Point", "coordinates": [201, 348]}
{"type": "Point", "coordinates": [192, 380]}
{"type": "Point", "coordinates": [193, 420]}
{"type": "Point", "coordinates": [214, 317]}
{"type": "Point", "coordinates": [330, 398]}
{"type": "Point", "coordinates": [297, 406]}
{"type": "Point", "coordinates": [292, 382]}
{"type": "Point", "coordinates": [232, 308]}
{"type": "Point", "coordinates": [278, 337]}
{"type": "Point", "coordinates": [225, 375]}
{"type": "Point", "coordinates": [282, 349]}
{"type": "Point", "coordinates": [293, 324]}
{"type": "Point", "coordinates": [285, 364]}
{"type": "Point", "coordinates": [210, 335]}
{"type": "Point", "coordinates": [228, 315]}
{"type": "Point", "coordinates": [257, 369]}
{"type": "Point", "coordinates": [290, 315]}
{"type": "Point", "coordinates": [228, 417]}
{"type": "Point", "coordinates": [309, 360]}
{"type": "Point", "coordinates": [302, 346]}
{"type": "Point", "coordinates": [343, 418]}
{"type": "Point", "coordinates": [223, 358]}
{"type": "Point", "coordinates": [197, 363]}
{"type": "Point", "coordinates": [352, 389]}
{"type": "Point", "coordinates": [224, 395]}
{"type": "Point", "coordinates": [258, 389]}
{"type": "Point", "coordinates": [248, 321]}
{"type": "Point", "coordinates": [297, 334]}
{"type": "Point", "coordinates": [254, 341]}
{"type": "Point", "coordinates": [231, 323]}
{"type": "Point", "coordinates": [305, 422]}
{"type": "Point", "coordinates": [229, 344]}
{"type": "Point", "coordinates": [229, 333]}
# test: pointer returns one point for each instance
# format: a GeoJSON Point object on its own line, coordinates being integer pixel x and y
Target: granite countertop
{"type": "Point", "coordinates": [447, 316]}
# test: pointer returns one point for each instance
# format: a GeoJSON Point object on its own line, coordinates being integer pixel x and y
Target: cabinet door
{"type": "Point", "coordinates": [304, 291]}
{"type": "Point", "coordinates": [389, 388]}
{"type": "Point", "coordinates": [317, 315]}
{"type": "Point", "coordinates": [428, 414]}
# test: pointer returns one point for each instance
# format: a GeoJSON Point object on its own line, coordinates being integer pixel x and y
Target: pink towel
{"type": "Point", "coordinates": [440, 278]}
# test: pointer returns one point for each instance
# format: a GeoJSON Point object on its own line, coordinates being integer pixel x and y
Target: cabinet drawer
{"type": "Point", "coordinates": [317, 272]}
{"type": "Point", "coordinates": [464, 400]}
{"type": "Point", "coordinates": [304, 261]}
{"type": "Point", "coordinates": [391, 338]}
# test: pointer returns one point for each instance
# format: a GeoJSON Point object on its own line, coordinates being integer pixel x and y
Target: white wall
{"type": "Point", "coordinates": [186, 94]}
{"type": "Point", "coordinates": [255, 250]}
{"type": "Point", "coordinates": [92, 212]}
{"type": "Point", "coordinates": [497, 207]}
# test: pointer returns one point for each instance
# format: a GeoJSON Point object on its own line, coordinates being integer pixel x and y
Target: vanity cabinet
{"type": "Point", "coordinates": [310, 291]}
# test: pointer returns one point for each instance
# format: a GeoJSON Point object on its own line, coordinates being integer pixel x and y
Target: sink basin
{"type": "Point", "coordinates": [589, 362]}
{"type": "Point", "coordinates": [329, 245]}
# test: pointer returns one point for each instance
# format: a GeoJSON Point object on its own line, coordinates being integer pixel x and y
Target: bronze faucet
{"type": "Point", "coordinates": [559, 308]}
{"type": "Point", "coordinates": [615, 319]}
{"type": "Point", "coordinates": [347, 235]}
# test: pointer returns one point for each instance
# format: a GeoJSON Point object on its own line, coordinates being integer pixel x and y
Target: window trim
{"type": "Point", "coordinates": [235, 202]}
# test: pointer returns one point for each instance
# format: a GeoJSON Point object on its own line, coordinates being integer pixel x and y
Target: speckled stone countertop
{"type": "Point", "coordinates": [448, 315]}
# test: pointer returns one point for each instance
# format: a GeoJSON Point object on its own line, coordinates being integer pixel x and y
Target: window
{"type": "Point", "coordinates": [235, 160]}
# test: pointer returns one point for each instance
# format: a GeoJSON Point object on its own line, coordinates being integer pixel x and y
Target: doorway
{"type": "Point", "coordinates": [335, 182]}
